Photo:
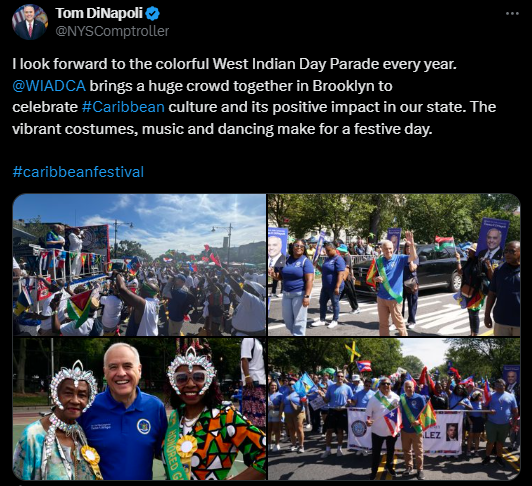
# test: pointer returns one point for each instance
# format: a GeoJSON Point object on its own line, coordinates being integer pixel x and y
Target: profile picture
{"type": "Point", "coordinates": [452, 432]}
{"type": "Point", "coordinates": [30, 22]}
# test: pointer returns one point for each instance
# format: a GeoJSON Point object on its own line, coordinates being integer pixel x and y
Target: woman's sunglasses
{"type": "Point", "coordinates": [198, 377]}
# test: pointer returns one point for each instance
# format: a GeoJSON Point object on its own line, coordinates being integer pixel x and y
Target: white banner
{"type": "Point", "coordinates": [444, 439]}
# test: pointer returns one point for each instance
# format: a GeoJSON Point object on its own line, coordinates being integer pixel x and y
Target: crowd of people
{"type": "Point", "coordinates": [144, 300]}
{"type": "Point", "coordinates": [497, 287]}
{"type": "Point", "coordinates": [117, 434]}
{"type": "Point", "coordinates": [495, 419]}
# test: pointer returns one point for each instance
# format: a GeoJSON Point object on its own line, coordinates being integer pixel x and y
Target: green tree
{"type": "Point", "coordinates": [126, 248]}
{"type": "Point", "coordinates": [412, 364]}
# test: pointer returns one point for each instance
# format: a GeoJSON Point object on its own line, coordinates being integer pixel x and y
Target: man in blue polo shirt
{"type": "Point", "coordinates": [362, 397]}
{"type": "Point", "coordinates": [412, 405]}
{"type": "Point", "coordinates": [337, 396]}
{"type": "Point", "coordinates": [390, 294]}
{"type": "Point", "coordinates": [125, 425]}
{"type": "Point", "coordinates": [503, 412]}
{"type": "Point", "coordinates": [505, 288]}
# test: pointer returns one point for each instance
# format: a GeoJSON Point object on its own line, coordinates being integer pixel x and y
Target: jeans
{"type": "Point", "coordinates": [294, 314]}
{"type": "Point", "coordinates": [325, 295]}
{"type": "Point", "coordinates": [474, 321]}
{"type": "Point", "coordinates": [412, 306]}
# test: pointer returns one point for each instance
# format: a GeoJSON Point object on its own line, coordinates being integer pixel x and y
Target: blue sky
{"type": "Point", "coordinates": [431, 351]}
{"type": "Point", "coordinates": [160, 221]}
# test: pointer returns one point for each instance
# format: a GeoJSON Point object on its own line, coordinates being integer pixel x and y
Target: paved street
{"type": "Point", "coordinates": [286, 465]}
{"type": "Point", "coordinates": [438, 314]}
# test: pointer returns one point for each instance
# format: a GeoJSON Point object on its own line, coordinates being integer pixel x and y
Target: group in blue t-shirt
{"type": "Point", "coordinates": [293, 273]}
{"type": "Point", "coordinates": [394, 268]}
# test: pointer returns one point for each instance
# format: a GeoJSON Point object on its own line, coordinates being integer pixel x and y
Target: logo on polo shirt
{"type": "Point", "coordinates": [359, 428]}
{"type": "Point", "coordinates": [143, 426]}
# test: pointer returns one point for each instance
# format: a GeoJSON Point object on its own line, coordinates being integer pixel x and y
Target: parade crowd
{"type": "Point", "coordinates": [484, 283]}
{"type": "Point", "coordinates": [491, 412]}
{"type": "Point", "coordinates": [141, 297]}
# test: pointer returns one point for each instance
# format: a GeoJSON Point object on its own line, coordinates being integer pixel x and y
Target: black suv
{"type": "Point", "coordinates": [436, 269]}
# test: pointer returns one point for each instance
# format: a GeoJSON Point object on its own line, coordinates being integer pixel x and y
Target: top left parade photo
{"type": "Point", "coordinates": [139, 265]}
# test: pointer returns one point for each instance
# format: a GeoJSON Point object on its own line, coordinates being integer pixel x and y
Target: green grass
{"type": "Point", "coordinates": [30, 401]}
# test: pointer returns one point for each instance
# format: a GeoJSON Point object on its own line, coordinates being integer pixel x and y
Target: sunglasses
{"type": "Point", "coordinates": [386, 384]}
{"type": "Point", "coordinates": [299, 246]}
{"type": "Point", "coordinates": [198, 377]}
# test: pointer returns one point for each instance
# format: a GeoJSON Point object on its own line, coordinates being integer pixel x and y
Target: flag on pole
{"type": "Point", "coordinates": [24, 301]}
{"type": "Point", "coordinates": [215, 259]}
{"type": "Point", "coordinates": [167, 260]}
{"type": "Point", "coordinates": [353, 350]}
{"type": "Point", "coordinates": [427, 417]}
{"type": "Point", "coordinates": [78, 307]}
{"type": "Point", "coordinates": [372, 272]}
{"type": "Point", "coordinates": [304, 385]}
{"type": "Point", "coordinates": [487, 393]}
{"type": "Point", "coordinates": [426, 380]}
{"type": "Point", "coordinates": [42, 290]}
{"type": "Point", "coordinates": [409, 378]}
{"type": "Point", "coordinates": [364, 366]}
{"type": "Point", "coordinates": [394, 421]}
{"type": "Point", "coordinates": [134, 265]}
{"type": "Point", "coordinates": [443, 242]}
{"type": "Point", "coordinates": [467, 381]}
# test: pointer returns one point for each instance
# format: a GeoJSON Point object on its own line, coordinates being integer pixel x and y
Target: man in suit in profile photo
{"type": "Point", "coordinates": [275, 257]}
{"type": "Point", "coordinates": [30, 29]}
{"type": "Point", "coordinates": [494, 250]}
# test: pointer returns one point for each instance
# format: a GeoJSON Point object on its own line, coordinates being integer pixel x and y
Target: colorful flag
{"type": "Point", "coordinates": [134, 265]}
{"type": "Point", "coordinates": [42, 290]}
{"type": "Point", "coordinates": [394, 421]}
{"type": "Point", "coordinates": [24, 301]}
{"type": "Point", "coordinates": [205, 259]}
{"type": "Point", "coordinates": [192, 258]}
{"type": "Point", "coordinates": [443, 242]}
{"type": "Point", "coordinates": [426, 380]}
{"type": "Point", "coordinates": [427, 417]}
{"type": "Point", "coordinates": [409, 378]}
{"type": "Point", "coordinates": [304, 385]}
{"type": "Point", "coordinates": [364, 366]}
{"type": "Point", "coordinates": [215, 259]}
{"type": "Point", "coordinates": [372, 272]}
{"type": "Point", "coordinates": [487, 393]}
{"type": "Point", "coordinates": [61, 258]}
{"type": "Point", "coordinates": [83, 258]}
{"type": "Point", "coordinates": [467, 381]}
{"type": "Point", "coordinates": [319, 247]}
{"type": "Point", "coordinates": [353, 350]}
{"type": "Point", "coordinates": [167, 260]}
{"type": "Point", "coordinates": [78, 307]}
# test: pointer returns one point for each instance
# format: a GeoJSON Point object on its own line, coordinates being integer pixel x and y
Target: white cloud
{"type": "Point", "coordinates": [431, 351]}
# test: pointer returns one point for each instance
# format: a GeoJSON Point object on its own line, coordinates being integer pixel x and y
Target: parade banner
{"type": "Point", "coordinates": [277, 245]}
{"type": "Point", "coordinates": [443, 439]}
{"type": "Point", "coordinates": [492, 238]}
{"type": "Point", "coordinates": [319, 246]}
{"type": "Point", "coordinates": [394, 235]}
{"type": "Point", "coordinates": [511, 375]}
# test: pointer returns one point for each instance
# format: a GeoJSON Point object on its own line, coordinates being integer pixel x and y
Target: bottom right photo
{"type": "Point", "coordinates": [394, 408]}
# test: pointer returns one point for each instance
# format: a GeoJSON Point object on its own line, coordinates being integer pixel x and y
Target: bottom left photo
{"type": "Point", "coordinates": [139, 409]}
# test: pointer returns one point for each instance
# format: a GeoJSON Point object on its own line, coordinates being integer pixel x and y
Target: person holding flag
{"type": "Point", "coordinates": [379, 407]}
{"type": "Point", "coordinates": [412, 404]}
{"type": "Point", "coordinates": [337, 396]}
{"type": "Point", "coordinates": [390, 268]}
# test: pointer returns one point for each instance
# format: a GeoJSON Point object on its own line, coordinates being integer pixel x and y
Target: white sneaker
{"type": "Point", "coordinates": [329, 309]}
{"type": "Point", "coordinates": [393, 328]}
{"type": "Point", "coordinates": [332, 324]}
{"type": "Point", "coordinates": [277, 447]}
{"type": "Point", "coordinates": [300, 450]}
{"type": "Point", "coordinates": [318, 323]}
{"type": "Point", "coordinates": [356, 311]}
{"type": "Point", "coordinates": [308, 427]}
{"type": "Point", "coordinates": [326, 454]}
{"type": "Point", "coordinates": [410, 326]}
{"type": "Point", "coordinates": [339, 452]}
{"type": "Point", "coordinates": [294, 448]}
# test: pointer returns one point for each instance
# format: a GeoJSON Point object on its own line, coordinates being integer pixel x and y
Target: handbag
{"type": "Point", "coordinates": [411, 285]}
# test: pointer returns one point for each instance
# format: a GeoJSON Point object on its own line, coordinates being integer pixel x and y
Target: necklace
{"type": "Point", "coordinates": [188, 424]}
{"type": "Point", "coordinates": [68, 429]}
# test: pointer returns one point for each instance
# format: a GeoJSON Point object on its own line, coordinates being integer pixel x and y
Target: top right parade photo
{"type": "Point", "coordinates": [394, 265]}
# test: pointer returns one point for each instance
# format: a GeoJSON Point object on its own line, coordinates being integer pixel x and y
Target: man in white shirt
{"type": "Point", "coordinates": [111, 314]}
{"type": "Point", "coordinates": [76, 243]}
{"type": "Point", "coordinates": [379, 405]}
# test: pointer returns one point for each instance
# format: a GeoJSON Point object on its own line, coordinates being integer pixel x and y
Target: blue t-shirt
{"type": "Point", "coordinates": [339, 395]}
{"type": "Point", "coordinates": [293, 273]}
{"type": "Point", "coordinates": [291, 400]}
{"type": "Point", "coordinates": [276, 399]}
{"type": "Point", "coordinates": [356, 388]}
{"type": "Point", "coordinates": [394, 268]}
{"type": "Point", "coordinates": [362, 397]}
{"type": "Point", "coordinates": [285, 390]}
{"type": "Point", "coordinates": [177, 304]}
{"type": "Point", "coordinates": [454, 399]}
{"type": "Point", "coordinates": [506, 283]}
{"type": "Point", "coordinates": [502, 403]}
{"type": "Point", "coordinates": [477, 405]}
{"type": "Point", "coordinates": [329, 272]}
{"type": "Point", "coordinates": [126, 440]}
{"type": "Point", "coordinates": [51, 236]}
{"type": "Point", "coordinates": [415, 403]}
